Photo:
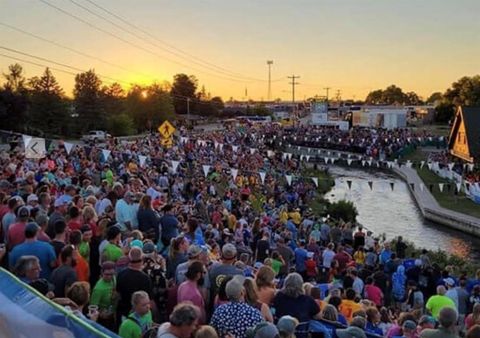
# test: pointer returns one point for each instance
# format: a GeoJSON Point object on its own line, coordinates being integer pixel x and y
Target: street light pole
{"type": "Point", "coordinates": [269, 63]}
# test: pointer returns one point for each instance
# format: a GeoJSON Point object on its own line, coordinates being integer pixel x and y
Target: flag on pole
{"type": "Point", "coordinates": [262, 176]}
{"type": "Point", "coordinates": [68, 147]}
{"type": "Point", "coordinates": [206, 169]}
{"type": "Point", "coordinates": [175, 165]}
{"type": "Point", "coordinates": [106, 154]}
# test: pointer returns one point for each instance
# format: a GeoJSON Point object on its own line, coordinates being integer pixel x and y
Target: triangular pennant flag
{"type": "Point", "coordinates": [301, 158]}
{"type": "Point", "coordinates": [220, 146]}
{"type": "Point", "coordinates": [389, 164]}
{"type": "Point", "coordinates": [206, 169]}
{"type": "Point", "coordinates": [235, 148]}
{"type": "Point", "coordinates": [215, 144]}
{"type": "Point", "coordinates": [430, 139]}
{"type": "Point", "coordinates": [289, 179]}
{"type": "Point", "coordinates": [68, 147]}
{"type": "Point", "coordinates": [309, 150]}
{"type": "Point", "coordinates": [106, 154]}
{"type": "Point", "coordinates": [298, 148]}
{"type": "Point", "coordinates": [471, 166]}
{"type": "Point", "coordinates": [409, 139]}
{"type": "Point", "coordinates": [307, 157]}
{"type": "Point", "coordinates": [262, 176]}
{"type": "Point", "coordinates": [290, 156]}
{"type": "Point", "coordinates": [326, 160]}
{"type": "Point", "coordinates": [349, 184]}
{"type": "Point", "coordinates": [270, 153]}
{"type": "Point", "coordinates": [370, 184]}
{"type": "Point", "coordinates": [422, 163]}
{"type": "Point", "coordinates": [378, 164]}
{"type": "Point", "coordinates": [175, 165]}
{"type": "Point", "coordinates": [412, 185]}
{"type": "Point", "coordinates": [429, 165]}
{"type": "Point", "coordinates": [284, 156]}
{"type": "Point", "coordinates": [199, 142]}
{"type": "Point", "coordinates": [141, 160]}
{"type": "Point", "coordinates": [450, 166]}
{"type": "Point", "coordinates": [363, 163]}
{"type": "Point", "coordinates": [252, 151]}
{"type": "Point", "coordinates": [440, 186]}
{"type": "Point", "coordinates": [333, 160]}
{"type": "Point", "coordinates": [459, 187]}
{"type": "Point", "coordinates": [409, 164]}
{"type": "Point", "coordinates": [392, 185]}
{"type": "Point", "coordinates": [315, 180]}
{"type": "Point", "coordinates": [234, 173]}
{"type": "Point", "coordinates": [369, 163]}
{"type": "Point", "coordinates": [349, 161]}
{"type": "Point", "coordinates": [26, 140]}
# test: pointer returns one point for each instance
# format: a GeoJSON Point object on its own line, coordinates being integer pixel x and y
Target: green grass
{"type": "Point", "coordinates": [447, 199]}
{"type": "Point", "coordinates": [435, 129]}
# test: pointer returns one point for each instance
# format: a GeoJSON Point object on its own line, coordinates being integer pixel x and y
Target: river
{"type": "Point", "coordinates": [395, 213]}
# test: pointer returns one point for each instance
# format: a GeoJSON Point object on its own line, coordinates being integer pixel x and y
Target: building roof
{"type": "Point", "coordinates": [471, 118]}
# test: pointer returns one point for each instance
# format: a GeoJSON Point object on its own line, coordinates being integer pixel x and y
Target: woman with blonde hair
{"type": "Point", "coordinates": [329, 313]}
{"type": "Point", "coordinates": [251, 298]}
{"type": "Point", "coordinates": [264, 281]}
{"type": "Point", "coordinates": [206, 331]}
{"type": "Point", "coordinates": [474, 317]}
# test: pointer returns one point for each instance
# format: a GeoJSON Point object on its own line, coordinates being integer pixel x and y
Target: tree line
{"type": "Point", "coordinates": [463, 92]}
{"type": "Point", "coordinates": [39, 105]}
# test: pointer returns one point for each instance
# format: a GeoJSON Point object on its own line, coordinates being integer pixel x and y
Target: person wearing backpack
{"type": "Point", "coordinates": [139, 321]}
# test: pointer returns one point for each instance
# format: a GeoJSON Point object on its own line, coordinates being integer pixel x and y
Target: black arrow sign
{"type": "Point", "coordinates": [32, 147]}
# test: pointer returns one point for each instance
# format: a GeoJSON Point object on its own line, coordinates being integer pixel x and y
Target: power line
{"type": "Point", "coordinates": [127, 22]}
{"type": "Point", "coordinates": [71, 49]}
{"type": "Point", "coordinates": [190, 59]}
{"type": "Point", "coordinates": [131, 43]}
{"type": "Point", "coordinates": [75, 74]}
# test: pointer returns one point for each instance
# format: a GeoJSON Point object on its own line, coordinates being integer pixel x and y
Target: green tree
{"type": "Point", "coordinates": [48, 110]}
{"type": "Point", "coordinates": [374, 97]}
{"type": "Point", "coordinates": [435, 98]}
{"type": "Point", "coordinates": [148, 106]}
{"type": "Point", "coordinates": [15, 78]}
{"type": "Point", "coordinates": [464, 92]}
{"type": "Point", "coordinates": [121, 125]}
{"type": "Point", "coordinates": [183, 87]}
{"type": "Point", "coordinates": [343, 209]}
{"type": "Point", "coordinates": [88, 102]}
{"type": "Point", "coordinates": [113, 98]}
{"type": "Point", "coordinates": [14, 100]}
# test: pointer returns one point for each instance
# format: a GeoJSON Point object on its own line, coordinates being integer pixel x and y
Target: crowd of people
{"type": "Point", "coordinates": [192, 241]}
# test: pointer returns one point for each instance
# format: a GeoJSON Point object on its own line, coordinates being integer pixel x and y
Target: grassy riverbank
{"type": "Point", "coordinates": [447, 199]}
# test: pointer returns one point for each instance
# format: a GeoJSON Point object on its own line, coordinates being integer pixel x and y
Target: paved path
{"type": "Point", "coordinates": [432, 210]}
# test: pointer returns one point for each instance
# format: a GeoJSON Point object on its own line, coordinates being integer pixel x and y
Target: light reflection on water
{"type": "Point", "coordinates": [395, 212]}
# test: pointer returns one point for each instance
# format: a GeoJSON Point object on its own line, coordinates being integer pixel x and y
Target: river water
{"type": "Point", "coordinates": [395, 213]}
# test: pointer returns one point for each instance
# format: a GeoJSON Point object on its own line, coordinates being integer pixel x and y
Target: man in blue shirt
{"type": "Point", "coordinates": [169, 225]}
{"type": "Point", "coordinates": [32, 247]}
{"type": "Point", "coordinates": [300, 258]}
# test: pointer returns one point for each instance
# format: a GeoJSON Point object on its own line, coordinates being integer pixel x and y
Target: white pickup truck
{"type": "Point", "coordinates": [96, 135]}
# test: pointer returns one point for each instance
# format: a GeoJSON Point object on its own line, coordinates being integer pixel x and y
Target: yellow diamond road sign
{"type": "Point", "coordinates": [166, 142]}
{"type": "Point", "coordinates": [166, 129]}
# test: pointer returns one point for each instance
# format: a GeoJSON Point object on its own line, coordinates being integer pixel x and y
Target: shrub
{"type": "Point", "coordinates": [344, 210]}
{"type": "Point", "coordinates": [121, 125]}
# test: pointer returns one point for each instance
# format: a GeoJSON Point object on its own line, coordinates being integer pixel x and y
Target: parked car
{"type": "Point", "coordinates": [96, 135]}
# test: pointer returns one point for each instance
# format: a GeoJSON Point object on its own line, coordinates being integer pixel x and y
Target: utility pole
{"type": "Point", "coordinates": [339, 95]}
{"type": "Point", "coordinates": [293, 83]}
{"type": "Point", "coordinates": [269, 63]}
{"type": "Point", "coordinates": [327, 89]}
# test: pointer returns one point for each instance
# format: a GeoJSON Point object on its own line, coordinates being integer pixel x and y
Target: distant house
{"type": "Point", "coordinates": [464, 141]}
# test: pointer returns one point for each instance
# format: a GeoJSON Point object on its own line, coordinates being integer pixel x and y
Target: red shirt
{"type": "Point", "coordinates": [311, 267]}
{"type": "Point", "coordinates": [16, 234]}
{"type": "Point", "coordinates": [373, 293]}
{"type": "Point", "coordinates": [74, 225]}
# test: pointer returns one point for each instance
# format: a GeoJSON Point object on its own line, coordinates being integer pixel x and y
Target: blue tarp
{"type": "Point", "coordinates": [26, 313]}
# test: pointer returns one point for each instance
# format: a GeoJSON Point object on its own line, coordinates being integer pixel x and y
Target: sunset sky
{"type": "Point", "coordinates": [350, 45]}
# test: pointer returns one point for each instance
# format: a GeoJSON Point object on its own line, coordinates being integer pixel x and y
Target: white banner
{"type": "Point", "coordinates": [315, 180]}
{"type": "Point", "coordinates": [142, 160]}
{"type": "Point", "coordinates": [262, 176]}
{"type": "Point", "coordinates": [206, 169]}
{"type": "Point", "coordinates": [106, 154]}
{"type": "Point", "coordinates": [459, 186]}
{"type": "Point", "coordinates": [289, 179]}
{"type": "Point", "coordinates": [26, 140]}
{"type": "Point", "coordinates": [175, 165]}
{"type": "Point", "coordinates": [68, 147]}
{"type": "Point", "coordinates": [234, 173]}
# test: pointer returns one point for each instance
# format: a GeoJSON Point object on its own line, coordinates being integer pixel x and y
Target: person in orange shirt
{"type": "Point", "coordinates": [82, 267]}
{"type": "Point", "coordinates": [348, 306]}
